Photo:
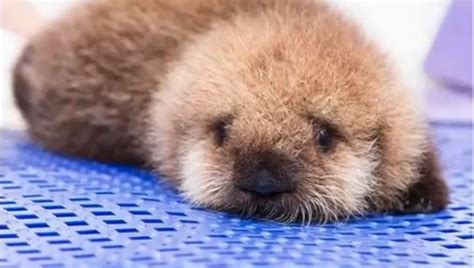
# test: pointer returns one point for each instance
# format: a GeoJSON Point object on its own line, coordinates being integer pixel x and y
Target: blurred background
{"type": "Point", "coordinates": [430, 42]}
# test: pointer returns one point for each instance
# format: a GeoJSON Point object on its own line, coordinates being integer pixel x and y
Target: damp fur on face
{"type": "Point", "coordinates": [274, 109]}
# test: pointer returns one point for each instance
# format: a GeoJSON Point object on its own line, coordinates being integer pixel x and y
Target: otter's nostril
{"type": "Point", "coordinates": [265, 184]}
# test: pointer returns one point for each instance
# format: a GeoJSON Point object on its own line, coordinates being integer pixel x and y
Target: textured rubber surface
{"type": "Point", "coordinates": [61, 212]}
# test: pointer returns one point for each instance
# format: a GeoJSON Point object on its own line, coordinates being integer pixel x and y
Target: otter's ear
{"type": "Point", "coordinates": [430, 193]}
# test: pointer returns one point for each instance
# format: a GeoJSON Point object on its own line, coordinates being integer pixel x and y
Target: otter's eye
{"type": "Point", "coordinates": [221, 129]}
{"type": "Point", "coordinates": [324, 139]}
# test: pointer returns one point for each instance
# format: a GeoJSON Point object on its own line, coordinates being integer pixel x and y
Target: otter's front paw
{"type": "Point", "coordinates": [430, 193]}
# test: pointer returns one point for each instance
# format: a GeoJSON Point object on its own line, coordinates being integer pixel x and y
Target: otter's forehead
{"type": "Point", "coordinates": [278, 103]}
{"type": "Point", "coordinates": [296, 70]}
{"type": "Point", "coordinates": [289, 103]}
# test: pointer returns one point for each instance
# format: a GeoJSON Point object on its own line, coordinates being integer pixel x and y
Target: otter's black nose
{"type": "Point", "coordinates": [265, 184]}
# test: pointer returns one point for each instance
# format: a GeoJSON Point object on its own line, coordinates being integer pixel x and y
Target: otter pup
{"type": "Point", "coordinates": [275, 108]}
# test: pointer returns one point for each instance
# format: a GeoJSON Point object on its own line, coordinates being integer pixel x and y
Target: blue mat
{"type": "Point", "coordinates": [56, 211]}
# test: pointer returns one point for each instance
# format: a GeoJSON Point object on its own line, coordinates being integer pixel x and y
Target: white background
{"type": "Point", "coordinates": [404, 29]}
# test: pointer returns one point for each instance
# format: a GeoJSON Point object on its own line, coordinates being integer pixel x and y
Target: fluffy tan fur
{"type": "Point", "coordinates": [144, 81]}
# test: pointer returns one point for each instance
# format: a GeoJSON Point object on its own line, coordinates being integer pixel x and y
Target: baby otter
{"type": "Point", "coordinates": [275, 108]}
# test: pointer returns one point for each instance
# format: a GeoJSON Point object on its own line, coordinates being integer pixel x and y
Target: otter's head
{"type": "Point", "coordinates": [296, 120]}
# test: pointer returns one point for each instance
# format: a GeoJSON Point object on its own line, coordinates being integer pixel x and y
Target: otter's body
{"type": "Point", "coordinates": [213, 92]}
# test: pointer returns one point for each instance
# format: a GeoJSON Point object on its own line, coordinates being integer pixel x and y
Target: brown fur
{"type": "Point", "coordinates": [146, 81]}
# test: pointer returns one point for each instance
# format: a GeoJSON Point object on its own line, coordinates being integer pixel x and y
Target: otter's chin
{"type": "Point", "coordinates": [290, 207]}
{"type": "Point", "coordinates": [285, 207]}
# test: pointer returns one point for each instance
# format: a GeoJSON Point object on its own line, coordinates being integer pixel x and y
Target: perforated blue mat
{"type": "Point", "coordinates": [56, 211]}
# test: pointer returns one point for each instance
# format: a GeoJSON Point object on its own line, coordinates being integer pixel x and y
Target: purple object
{"type": "Point", "coordinates": [443, 104]}
{"type": "Point", "coordinates": [450, 58]}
